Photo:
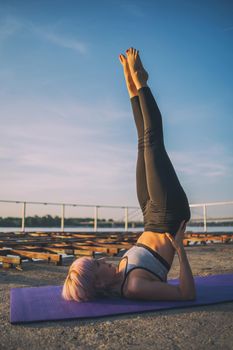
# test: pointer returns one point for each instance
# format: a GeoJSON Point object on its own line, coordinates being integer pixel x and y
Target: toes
{"type": "Point", "coordinates": [122, 58]}
{"type": "Point", "coordinates": [129, 51]}
{"type": "Point", "coordinates": [136, 53]}
{"type": "Point", "coordinates": [132, 51]}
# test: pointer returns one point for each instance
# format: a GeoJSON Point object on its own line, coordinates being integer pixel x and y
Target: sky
{"type": "Point", "coordinates": [67, 131]}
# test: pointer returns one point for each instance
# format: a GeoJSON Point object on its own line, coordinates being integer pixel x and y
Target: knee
{"type": "Point", "coordinates": [141, 143]}
{"type": "Point", "coordinates": [152, 138]}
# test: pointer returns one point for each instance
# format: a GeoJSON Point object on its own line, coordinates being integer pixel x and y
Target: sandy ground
{"type": "Point", "coordinates": [208, 327]}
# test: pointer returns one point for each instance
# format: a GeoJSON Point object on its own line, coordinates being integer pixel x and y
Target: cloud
{"type": "Point", "coordinates": [11, 25]}
{"type": "Point", "coordinates": [213, 162]}
{"type": "Point", "coordinates": [59, 40]}
{"type": "Point", "coordinates": [41, 135]}
{"type": "Point", "coordinates": [58, 155]}
{"type": "Point", "coordinates": [54, 150]}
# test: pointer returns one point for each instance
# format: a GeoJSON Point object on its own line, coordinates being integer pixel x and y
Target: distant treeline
{"type": "Point", "coordinates": [211, 223]}
{"type": "Point", "coordinates": [50, 221]}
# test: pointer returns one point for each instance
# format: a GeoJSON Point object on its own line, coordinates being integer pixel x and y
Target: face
{"type": "Point", "coordinates": [105, 272]}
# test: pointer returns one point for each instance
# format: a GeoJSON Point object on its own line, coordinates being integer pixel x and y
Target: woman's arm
{"type": "Point", "coordinates": [187, 285]}
{"type": "Point", "coordinates": [142, 288]}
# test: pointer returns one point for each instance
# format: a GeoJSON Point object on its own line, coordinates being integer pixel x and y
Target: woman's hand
{"type": "Point", "coordinates": [177, 241]}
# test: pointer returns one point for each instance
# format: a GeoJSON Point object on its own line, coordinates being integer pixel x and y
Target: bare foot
{"type": "Point", "coordinates": [128, 78]}
{"type": "Point", "coordinates": [138, 72]}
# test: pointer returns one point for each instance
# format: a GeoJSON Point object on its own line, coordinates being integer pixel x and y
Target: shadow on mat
{"type": "Point", "coordinates": [220, 307]}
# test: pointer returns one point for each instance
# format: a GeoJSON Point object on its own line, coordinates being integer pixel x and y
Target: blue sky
{"type": "Point", "coordinates": [67, 131]}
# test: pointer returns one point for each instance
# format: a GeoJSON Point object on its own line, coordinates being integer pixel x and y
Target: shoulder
{"type": "Point", "coordinates": [134, 277]}
{"type": "Point", "coordinates": [140, 287]}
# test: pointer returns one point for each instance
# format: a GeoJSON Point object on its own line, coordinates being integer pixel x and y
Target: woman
{"type": "Point", "coordinates": [142, 272]}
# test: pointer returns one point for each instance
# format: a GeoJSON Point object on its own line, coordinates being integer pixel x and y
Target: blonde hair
{"type": "Point", "coordinates": [80, 282]}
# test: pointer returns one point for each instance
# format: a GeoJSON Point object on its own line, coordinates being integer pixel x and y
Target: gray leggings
{"type": "Point", "coordinates": [161, 197]}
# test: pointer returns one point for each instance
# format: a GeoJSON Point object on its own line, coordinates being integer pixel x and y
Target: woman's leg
{"type": "Point", "coordinates": [141, 183]}
{"type": "Point", "coordinates": [168, 204]}
{"type": "Point", "coordinates": [160, 173]}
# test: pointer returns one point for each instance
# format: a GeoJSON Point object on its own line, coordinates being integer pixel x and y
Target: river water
{"type": "Point", "coordinates": [111, 229]}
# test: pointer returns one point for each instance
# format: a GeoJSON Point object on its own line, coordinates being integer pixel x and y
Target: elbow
{"type": "Point", "coordinates": [190, 296]}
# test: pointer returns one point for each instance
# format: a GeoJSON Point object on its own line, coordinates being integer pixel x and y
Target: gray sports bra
{"type": "Point", "coordinates": [141, 256]}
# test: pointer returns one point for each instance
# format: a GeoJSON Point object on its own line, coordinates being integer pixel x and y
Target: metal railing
{"type": "Point", "coordinates": [96, 208]}
{"type": "Point", "coordinates": [204, 208]}
{"type": "Point", "coordinates": [63, 207]}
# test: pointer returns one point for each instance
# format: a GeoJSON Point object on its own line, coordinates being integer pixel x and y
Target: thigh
{"type": "Point", "coordinates": [141, 183]}
{"type": "Point", "coordinates": [162, 181]}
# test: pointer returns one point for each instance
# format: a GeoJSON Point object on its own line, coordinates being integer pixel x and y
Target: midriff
{"type": "Point", "coordinates": [158, 242]}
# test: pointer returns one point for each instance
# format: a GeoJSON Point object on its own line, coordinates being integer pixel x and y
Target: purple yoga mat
{"type": "Point", "coordinates": [46, 304]}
